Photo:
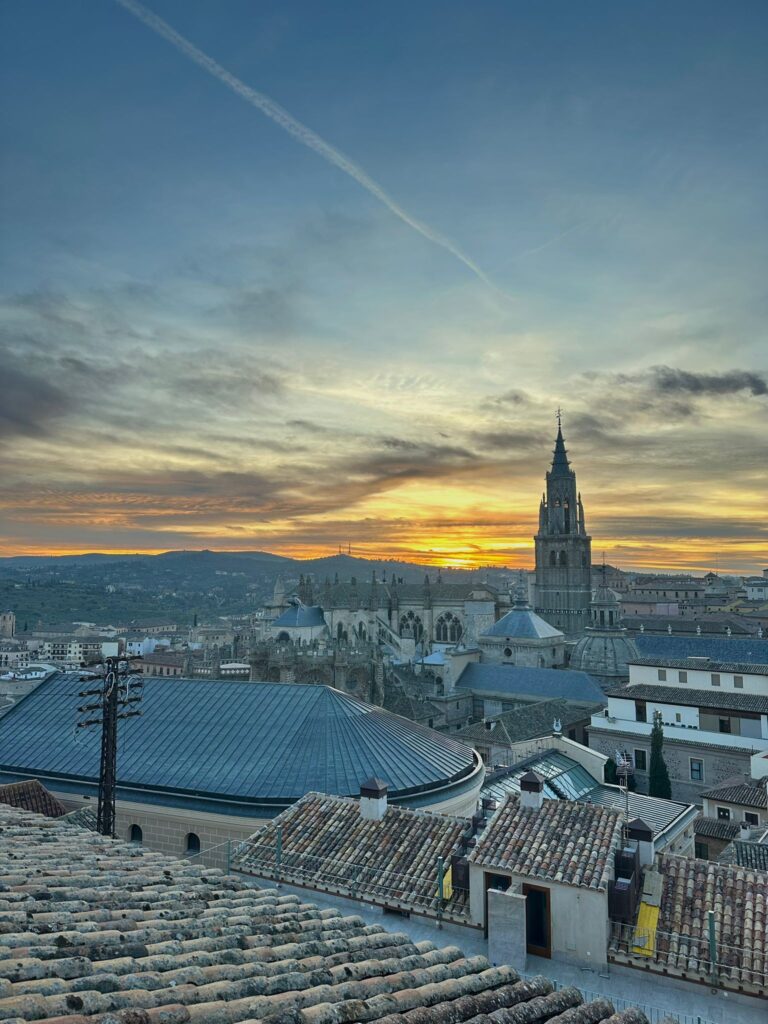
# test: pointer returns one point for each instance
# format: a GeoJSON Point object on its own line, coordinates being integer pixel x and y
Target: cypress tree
{"type": "Point", "coordinates": [658, 776]}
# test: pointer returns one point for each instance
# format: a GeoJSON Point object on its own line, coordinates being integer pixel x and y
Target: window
{"type": "Point", "coordinates": [724, 724]}
{"type": "Point", "coordinates": [563, 558]}
{"type": "Point", "coordinates": [723, 814]}
{"type": "Point", "coordinates": [571, 734]}
{"type": "Point", "coordinates": [750, 818]}
{"type": "Point", "coordinates": [715, 678]}
{"type": "Point", "coordinates": [136, 835]}
{"type": "Point", "coordinates": [738, 682]}
{"type": "Point", "coordinates": [678, 716]}
{"type": "Point", "coordinates": [641, 762]}
{"type": "Point", "coordinates": [682, 677]}
{"type": "Point", "coordinates": [507, 652]}
{"type": "Point", "coordinates": [641, 714]}
{"type": "Point", "coordinates": [701, 850]}
{"type": "Point", "coordinates": [697, 769]}
{"type": "Point", "coordinates": [193, 843]}
{"type": "Point", "coordinates": [662, 675]}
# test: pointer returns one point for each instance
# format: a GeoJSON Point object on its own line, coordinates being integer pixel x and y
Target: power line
{"type": "Point", "coordinates": [117, 697]}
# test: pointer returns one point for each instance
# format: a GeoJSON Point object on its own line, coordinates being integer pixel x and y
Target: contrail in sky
{"type": "Point", "coordinates": [300, 132]}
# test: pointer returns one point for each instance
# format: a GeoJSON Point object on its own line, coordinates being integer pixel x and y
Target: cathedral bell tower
{"type": "Point", "coordinates": [563, 549]}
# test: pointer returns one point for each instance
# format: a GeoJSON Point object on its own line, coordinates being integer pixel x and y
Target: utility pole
{"type": "Point", "coordinates": [115, 702]}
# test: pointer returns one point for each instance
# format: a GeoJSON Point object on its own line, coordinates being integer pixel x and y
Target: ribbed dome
{"type": "Point", "coordinates": [604, 653]}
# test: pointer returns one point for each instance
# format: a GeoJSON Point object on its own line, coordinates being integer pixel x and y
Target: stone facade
{"type": "Point", "coordinates": [718, 763]}
{"type": "Point", "coordinates": [563, 549]}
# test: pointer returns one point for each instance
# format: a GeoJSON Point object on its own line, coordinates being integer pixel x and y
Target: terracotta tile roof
{"type": "Point", "coordinates": [563, 841]}
{"type": "Point", "coordinates": [32, 796]}
{"type": "Point", "coordinates": [748, 794]}
{"type": "Point", "coordinates": [748, 854]}
{"type": "Point", "coordinates": [739, 898]}
{"type": "Point", "coordinates": [328, 845]}
{"type": "Point", "coordinates": [715, 828]}
{"type": "Point", "coordinates": [95, 930]}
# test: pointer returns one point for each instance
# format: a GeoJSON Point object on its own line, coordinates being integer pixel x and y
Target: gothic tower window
{"type": "Point", "coordinates": [553, 558]}
{"type": "Point", "coordinates": [563, 558]}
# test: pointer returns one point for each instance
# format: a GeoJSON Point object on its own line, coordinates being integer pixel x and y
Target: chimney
{"type": "Point", "coordinates": [373, 800]}
{"type": "Point", "coordinates": [642, 834]}
{"type": "Point", "coordinates": [531, 791]}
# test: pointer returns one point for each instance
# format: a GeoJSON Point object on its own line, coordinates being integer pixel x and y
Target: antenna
{"type": "Point", "coordinates": [117, 695]}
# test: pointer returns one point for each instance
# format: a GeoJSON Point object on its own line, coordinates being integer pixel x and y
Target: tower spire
{"type": "Point", "coordinates": [560, 462]}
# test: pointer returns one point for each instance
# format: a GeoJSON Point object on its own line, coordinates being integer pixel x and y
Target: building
{"type": "Point", "coordinates": [498, 737]}
{"type": "Point", "coordinates": [563, 549]}
{"type": "Point", "coordinates": [670, 825]}
{"type": "Point", "coordinates": [714, 722]}
{"type": "Point", "coordinates": [7, 625]}
{"type": "Point", "coordinates": [142, 936]}
{"type": "Point", "coordinates": [553, 860]}
{"type": "Point", "coordinates": [740, 800]}
{"type": "Point", "coordinates": [214, 758]}
{"type": "Point", "coordinates": [605, 650]}
{"type": "Point", "coordinates": [499, 688]}
{"type": "Point", "coordinates": [755, 586]}
{"type": "Point", "coordinates": [521, 637]}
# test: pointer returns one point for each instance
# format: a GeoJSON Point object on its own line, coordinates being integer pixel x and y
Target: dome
{"type": "Point", "coordinates": [240, 748]}
{"type": "Point", "coordinates": [604, 654]}
{"type": "Point", "coordinates": [522, 623]}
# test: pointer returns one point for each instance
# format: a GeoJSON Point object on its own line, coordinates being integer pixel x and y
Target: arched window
{"type": "Point", "coordinates": [448, 629]}
{"type": "Point", "coordinates": [340, 631]}
{"type": "Point", "coordinates": [563, 558]}
{"type": "Point", "coordinates": [361, 631]}
{"type": "Point", "coordinates": [136, 835]}
{"type": "Point", "coordinates": [411, 626]}
{"type": "Point", "coordinates": [283, 636]}
{"type": "Point", "coordinates": [553, 558]}
{"type": "Point", "coordinates": [193, 843]}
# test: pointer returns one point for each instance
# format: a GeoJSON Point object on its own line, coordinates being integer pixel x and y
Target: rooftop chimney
{"type": "Point", "coordinates": [531, 791]}
{"type": "Point", "coordinates": [373, 800]}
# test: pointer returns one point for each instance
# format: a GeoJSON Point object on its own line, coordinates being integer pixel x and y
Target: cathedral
{"type": "Point", "coordinates": [563, 549]}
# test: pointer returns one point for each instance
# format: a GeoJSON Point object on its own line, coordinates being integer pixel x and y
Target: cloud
{"type": "Point", "coordinates": [30, 405]}
{"type": "Point", "coordinates": [675, 381]}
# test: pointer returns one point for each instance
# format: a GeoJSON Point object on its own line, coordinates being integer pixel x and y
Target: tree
{"type": "Point", "coordinates": [658, 776]}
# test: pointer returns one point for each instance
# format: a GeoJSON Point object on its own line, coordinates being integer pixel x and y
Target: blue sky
{"type": "Point", "coordinates": [287, 365]}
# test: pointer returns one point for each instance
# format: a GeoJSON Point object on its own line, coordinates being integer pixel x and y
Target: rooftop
{"type": "Point", "coordinates": [522, 623]}
{"type": "Point", "coordinates": [716, 828]}
{"type": "Point", "coordinates": [703, 665]}
{"type": "Point", "coordinates": [32, 796]}
{"type": "Point", "coordinates": [566, 779]}
{"type": "Point", "coordinates": [327, 844]}
{"type": "Point", "coordinates": [95, 927]}
{"type": "Point", "coordinates": [752, 651]}
{"type": "Point", "coordinates": [527, 721]}
{"type": "Point", "coordinates": [738, 896]}
{"type": "Point", "coordinates": [533, 683]}
{"type": "Point", "coordinates": [692, 698]}
{"type": "Point", "coordinates": [739, 791]}
{"type": "Point", "coordinates": [748, 853]}
{"type": "Point", "coordinates": [300, 616]}
{"type": "Point", "coordinates": [563, 841]}
{"type": "Point", "coordinates": [258, 746]}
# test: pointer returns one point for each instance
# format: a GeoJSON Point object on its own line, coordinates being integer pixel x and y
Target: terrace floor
{"type": "Point", "coordinates": [655, 994]}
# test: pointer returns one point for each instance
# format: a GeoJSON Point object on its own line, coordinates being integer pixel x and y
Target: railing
{"type": "Point", "coordinates": [386, 888]}
{"type": "Point", "coordinates": [720, 964]}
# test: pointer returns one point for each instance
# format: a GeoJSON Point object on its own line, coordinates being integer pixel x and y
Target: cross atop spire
{"type": "Point", "coordinates": [560, 462]}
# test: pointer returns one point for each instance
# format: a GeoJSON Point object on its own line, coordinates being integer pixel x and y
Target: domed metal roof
{"type": "Point", "coordinates": [256, 746]}
{"type": "Point", "coordinates": [604, 653]}
{"type": "Point", "coordinates": [524, 624]}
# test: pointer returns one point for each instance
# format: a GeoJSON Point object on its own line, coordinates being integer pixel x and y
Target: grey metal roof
{"type": "Point", "coordinates": [691, 697]}
{"type": "Point", "coordinates": [747, 854]}
{"type": "Point", "coordinates": [656, 813]}
{"type": "Point", "coordinates": [300, 616]}
{"type": "Point", "coordinates": [751, 651]}
{"type": "Point", "coordinates": [250, 744]}
{"type": "Point", "coordinates": [518, 681]}
{"type": "Point", "coordinates": [523, 624]}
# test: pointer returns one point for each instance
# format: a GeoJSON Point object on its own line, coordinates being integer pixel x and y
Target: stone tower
{"type": "Point", "coordinates": [563, 549]}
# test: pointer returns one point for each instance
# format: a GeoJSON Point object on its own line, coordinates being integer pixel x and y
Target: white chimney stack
{"type": "Point", "coordinates": [531, 791]}
{"type": "Point", "coordinates": [373, 800]}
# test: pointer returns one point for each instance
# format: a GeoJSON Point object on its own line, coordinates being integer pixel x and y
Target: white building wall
{"type": "Point", "coordinates": [699, 679]}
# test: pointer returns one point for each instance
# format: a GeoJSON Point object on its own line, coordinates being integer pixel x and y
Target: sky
{"type": "Point", "coordinates": [216, 334]}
